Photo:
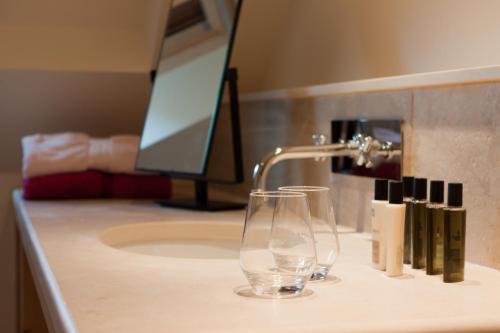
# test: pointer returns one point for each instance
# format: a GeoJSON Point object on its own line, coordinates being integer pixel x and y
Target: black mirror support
{"type": "Point", "coordinates": [201, 201]}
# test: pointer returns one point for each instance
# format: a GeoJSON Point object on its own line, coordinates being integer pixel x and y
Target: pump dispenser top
{"type": "Point", "coordinates": [395, 193]}
{"type": "Point", "coordinates": [381, 189]}
{"type": "Point", "coordinates": [455, 194]}
{"type": "Point", "coordinates": [437, 191]}
{"type": "Point", "coordinates": [408, 186]}
{"type": "Point", "coordinates": [420, 189]}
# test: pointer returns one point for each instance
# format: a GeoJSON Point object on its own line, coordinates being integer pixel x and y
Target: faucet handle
{"type": "Point", "coordinates": [318, 139]}
{"type": "Point", "coordinates": [364, 145]}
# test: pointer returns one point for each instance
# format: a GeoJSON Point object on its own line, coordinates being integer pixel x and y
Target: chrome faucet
{"type": "Point", "coordinates": [361, 148]}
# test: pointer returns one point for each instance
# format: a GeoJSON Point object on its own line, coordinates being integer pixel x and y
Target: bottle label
{"type": "Point", "coordinates": [456, 262]}
{"type": "Point", "coordinates": [455, 248]}
{"type": "Point", "coordinates": [455, 239]}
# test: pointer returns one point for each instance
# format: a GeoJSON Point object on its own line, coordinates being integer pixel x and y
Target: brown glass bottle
{"type": "Point", "coordinates": [435, 218]}
{"type": "Point", "coordinates": [407, 199]}
{"type": "Point", "coordinates": [418, 223]}
{"type": "Point", "coordinates": [454, 235]}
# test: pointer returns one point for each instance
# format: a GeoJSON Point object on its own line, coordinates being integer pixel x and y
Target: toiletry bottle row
{"type": "Point", "coordinates": [430, 235]}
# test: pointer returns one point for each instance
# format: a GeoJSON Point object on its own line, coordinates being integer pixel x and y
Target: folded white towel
{"type": "Point", "coordinates": [46, 154]}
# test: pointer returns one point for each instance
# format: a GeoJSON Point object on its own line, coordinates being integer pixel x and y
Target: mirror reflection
{"type": "Point", "coordinates": [187, 86]}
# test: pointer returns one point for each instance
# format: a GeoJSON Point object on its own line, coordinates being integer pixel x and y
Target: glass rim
{"type": "Point", "coordinates": [303, 188]}
{"type": "Point", "coordinates": [277, 194]}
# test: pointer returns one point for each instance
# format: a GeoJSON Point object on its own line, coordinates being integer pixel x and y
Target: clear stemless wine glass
{"type": "Point", "coordinates": [323, 225]}
{"type": "Point", "coordinates": [277, 252]}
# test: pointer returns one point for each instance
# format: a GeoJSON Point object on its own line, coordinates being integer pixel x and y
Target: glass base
{"type": "Point", "coordinates": [320, 273]}
{"type": "Point", "coordinates": [318, 276]}
{"type": "Point", "coordinates": [276, 285]}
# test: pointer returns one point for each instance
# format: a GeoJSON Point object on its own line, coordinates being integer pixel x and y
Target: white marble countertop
{"type": "Point", "coordinates": [87, 286]}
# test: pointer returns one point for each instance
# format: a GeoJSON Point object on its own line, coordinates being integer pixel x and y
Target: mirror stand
{"type": "Point", "coordinates": [201, 201]}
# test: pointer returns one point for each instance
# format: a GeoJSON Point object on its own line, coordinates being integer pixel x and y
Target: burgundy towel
{"type": "Point", "coordinates": [140, 186]}
{"type": "Point", "coordinates": [96, 184]}
{"type": "Point", "coordinates": [85, 184]}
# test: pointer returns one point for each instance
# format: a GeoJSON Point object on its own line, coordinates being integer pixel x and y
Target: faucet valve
{"type": "Point", "coordinates": [364, 144]}
{"type": "Point", "coordinates": [319, 139]}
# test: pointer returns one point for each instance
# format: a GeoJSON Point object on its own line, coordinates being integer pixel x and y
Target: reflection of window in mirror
{"type": "Point", "coordinates": [195, 28]}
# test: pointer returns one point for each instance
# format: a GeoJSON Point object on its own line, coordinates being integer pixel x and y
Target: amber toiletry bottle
{"type": "Point", "coordinates": [454, 235]}
{"type": "Point", "coordinates": [418, 223]}
{"type": "Point", "coordinates": [435, 218]}
{"type": "Point", "coordinates": [407, 199]}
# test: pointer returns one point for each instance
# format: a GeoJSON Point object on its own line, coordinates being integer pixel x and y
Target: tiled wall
{"type": "Point", "coordinates": [451, 133]}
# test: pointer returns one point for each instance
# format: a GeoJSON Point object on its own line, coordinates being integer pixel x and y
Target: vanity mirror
{"type": "Point", "coordinates": [183, 114]}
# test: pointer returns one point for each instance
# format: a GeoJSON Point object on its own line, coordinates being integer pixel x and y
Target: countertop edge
{"type": "Point", "coordinates": [53, 305]}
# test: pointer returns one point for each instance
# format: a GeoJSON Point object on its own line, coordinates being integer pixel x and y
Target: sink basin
{"type": "Point", "coordinates": [186, 239]}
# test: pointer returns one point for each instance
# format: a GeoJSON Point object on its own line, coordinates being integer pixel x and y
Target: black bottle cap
{"type": "Point", "coordinates": [420, 189]}
{"type": "Point", "coordinates": [395, 192]}
{"type": "Point", "coordinates": [380, 189]}
{"type": "Point", "coordinates": [455, 194]}
{"type": "Point", "coordinates": [408, 186]}
{"type": "Point", "coordinates": [437, 191]}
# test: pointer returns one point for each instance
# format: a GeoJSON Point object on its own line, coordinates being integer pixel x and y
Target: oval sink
{"type": "Point", "coordinates": [186, 239]}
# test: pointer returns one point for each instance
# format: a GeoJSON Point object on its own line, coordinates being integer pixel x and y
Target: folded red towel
{"type": "Point", "coordinates": [85, 184]}
{"type": "Point", "coordinates": [140, 186]}
{"type": "Point", "coordinates": [96, 184]}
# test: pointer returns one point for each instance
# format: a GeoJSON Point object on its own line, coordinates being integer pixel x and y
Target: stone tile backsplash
{"type": "Point", "coordinates": [451, 133]}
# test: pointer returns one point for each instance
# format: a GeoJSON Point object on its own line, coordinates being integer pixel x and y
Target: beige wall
{"type": "Point", "coordinates": [39, 101]}
{"type": "Point", "coordinates": [294, 43]}
{"type": "Point", "coordinates": [262, 24]}
{"type": "Point", "coordinates": [111, 35]}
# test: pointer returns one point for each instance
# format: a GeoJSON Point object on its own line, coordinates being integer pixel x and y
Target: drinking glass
{"type": "Point", "coordinates": [277, 252]}
{"type": "Point", "coordinates": [323, 226]}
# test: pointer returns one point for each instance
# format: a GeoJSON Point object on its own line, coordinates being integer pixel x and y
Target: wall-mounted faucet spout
{"type": "Point", "coordinates": [361, 148]}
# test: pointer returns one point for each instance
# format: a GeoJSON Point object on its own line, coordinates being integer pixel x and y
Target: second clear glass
{"type": "Point", "coordinates": [277, 252]}
{"type": "Point", "coordinates": [323, 226]}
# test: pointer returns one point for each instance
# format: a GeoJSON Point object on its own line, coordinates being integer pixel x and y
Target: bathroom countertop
{"type": "Point", "coordinates": [86, 286]}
